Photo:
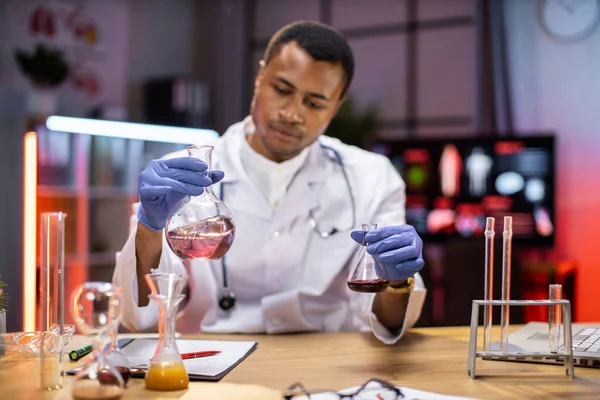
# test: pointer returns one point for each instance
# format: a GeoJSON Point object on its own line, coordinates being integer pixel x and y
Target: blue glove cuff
{"type": "Point", "coordinates": [142, 217]}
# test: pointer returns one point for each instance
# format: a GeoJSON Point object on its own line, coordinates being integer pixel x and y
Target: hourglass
{"type": "Point", "coordinates": [114, 355]}
{"type": "Point", "coordinates": [203, 228]}
{"type": "Point", "coordinates": [166, 371]}
{"type": "Point", "coordinates": [95, 306]}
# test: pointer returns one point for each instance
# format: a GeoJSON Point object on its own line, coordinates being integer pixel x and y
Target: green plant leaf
{"type": "Point", "coordinates": [45, 67]}
{"type": "Point", "coordinates": [352, 126]}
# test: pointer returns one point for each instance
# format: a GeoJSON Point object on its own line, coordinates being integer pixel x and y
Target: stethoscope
{"type": "Point", "coordinates": [227, 297]}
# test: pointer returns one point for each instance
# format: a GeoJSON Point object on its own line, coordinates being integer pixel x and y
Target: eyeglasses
{"type": "Point", "coordinates": [372, 389]}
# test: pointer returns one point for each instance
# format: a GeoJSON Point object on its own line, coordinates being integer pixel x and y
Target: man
{"type": "Point", "coordinates": [295, 196]}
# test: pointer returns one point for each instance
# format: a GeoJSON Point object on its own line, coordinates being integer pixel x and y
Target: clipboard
{"type": "Point", "coordinates": [211, 369]}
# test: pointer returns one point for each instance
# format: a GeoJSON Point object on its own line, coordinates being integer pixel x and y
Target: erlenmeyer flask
{"type": "Point", "coordinates": [367, 275]}
{"type": "Point", "coordinates": [203, 228]}
{"type": "Point", "coordinates": [166, 370]}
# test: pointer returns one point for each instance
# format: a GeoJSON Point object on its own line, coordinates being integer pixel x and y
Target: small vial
{"type": "Point", "coordinates": [554, 317]}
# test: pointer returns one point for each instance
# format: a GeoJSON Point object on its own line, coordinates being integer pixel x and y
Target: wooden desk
{"type": "Point", "coordinates": [432, 359]}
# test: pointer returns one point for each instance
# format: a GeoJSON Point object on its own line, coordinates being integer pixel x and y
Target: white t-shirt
{"type": "Point", "coordinates": [270, 178]}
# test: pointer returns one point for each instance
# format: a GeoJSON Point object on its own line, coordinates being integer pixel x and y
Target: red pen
{"type": "Point", "coordinates": [197, 354]}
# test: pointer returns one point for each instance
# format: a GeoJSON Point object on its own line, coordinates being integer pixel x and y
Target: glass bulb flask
{"type": "Point", "coordinates": [203, 228]}
{"type": "Point", "coordinates": [94, 306]}
{"type": "Point", "coordinates": [367, 274]}
{"type": "Point", "coordinates": [166, 371]}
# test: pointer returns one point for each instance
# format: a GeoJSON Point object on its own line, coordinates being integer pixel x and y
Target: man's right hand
{"type": "Point", "coordinates": [165, 185]}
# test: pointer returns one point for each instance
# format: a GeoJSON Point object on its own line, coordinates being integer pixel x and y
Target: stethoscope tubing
{"type": "Point", "coordinates": [227, 298]}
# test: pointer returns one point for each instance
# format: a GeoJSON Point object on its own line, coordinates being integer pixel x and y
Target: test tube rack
{"type": "Point", "coordinates": [566, 354]}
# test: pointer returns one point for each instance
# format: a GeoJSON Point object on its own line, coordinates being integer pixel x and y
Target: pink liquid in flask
{"type": "Point", "coordinates": [207, 239]}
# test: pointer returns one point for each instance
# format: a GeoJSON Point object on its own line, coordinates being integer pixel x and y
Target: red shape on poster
{"type": "Point", "coordinates": [42, 21]}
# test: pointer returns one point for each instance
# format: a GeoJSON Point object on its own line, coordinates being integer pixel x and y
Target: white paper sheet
{"type": "Point", "coordinates": [379, 394]}
{"type": "Point", "coordinates": [140, 351]}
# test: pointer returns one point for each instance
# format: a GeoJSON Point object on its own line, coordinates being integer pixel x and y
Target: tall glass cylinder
{"type": "Point", "coordinates": [506, 267]}
{"type": "Point", "coordinates": [52, 266]}
{"type": "Point", "coordinates": [489, 281]}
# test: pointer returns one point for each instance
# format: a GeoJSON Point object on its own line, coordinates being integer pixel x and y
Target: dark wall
{"type": "Point", "coordinates": [11, 217]}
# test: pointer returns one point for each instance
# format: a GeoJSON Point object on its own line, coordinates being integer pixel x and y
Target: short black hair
{"type": "Point", "coordinates": [321, 41]}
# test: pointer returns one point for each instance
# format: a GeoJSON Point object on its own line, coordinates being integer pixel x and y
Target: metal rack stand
{"type": "Point", "coordinates": [566, 354]}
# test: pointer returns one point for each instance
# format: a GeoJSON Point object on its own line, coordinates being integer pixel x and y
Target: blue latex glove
{"type": "Point", "coordinates": [167, 184]}
{"type": "Point", "coordinates": [398, 248]}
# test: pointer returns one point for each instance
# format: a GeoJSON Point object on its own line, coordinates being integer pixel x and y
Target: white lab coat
{"type": "Point", "coordinates": [285, 277]}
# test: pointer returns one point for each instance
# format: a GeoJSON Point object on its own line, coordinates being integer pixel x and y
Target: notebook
{"type": "Point", "coordinates": [213, 368]}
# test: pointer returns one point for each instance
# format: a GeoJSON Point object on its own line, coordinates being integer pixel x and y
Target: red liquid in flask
{"type": "Point", "coordinates": [369, 286]}
{"type": "Point", "coordinates": [106, 378]}
{"type": "Point", "coordinates": [207, 239]}
{"type": "Point", "coordinates": [125, 373]}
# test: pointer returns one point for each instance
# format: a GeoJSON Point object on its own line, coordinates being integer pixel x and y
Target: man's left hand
{"type": "Point", "coordinates": [399, 248]}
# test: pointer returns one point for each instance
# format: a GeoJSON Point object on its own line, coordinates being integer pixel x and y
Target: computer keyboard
{"type": "Point", "coordinates": [587, 340]}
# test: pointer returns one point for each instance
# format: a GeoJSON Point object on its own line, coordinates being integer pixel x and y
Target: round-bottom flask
{"type": "Point", "coordinates": [367, 275]}
{"type": "Point", "coordinates": [166, 371]}
{"type": "Point", "coordinates": [203, 228]}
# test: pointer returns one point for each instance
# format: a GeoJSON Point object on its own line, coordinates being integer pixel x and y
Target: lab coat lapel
{"type": "Point", "coordinates": [238, 191]}
{"type": "Point", "coordinates": [303, 194]}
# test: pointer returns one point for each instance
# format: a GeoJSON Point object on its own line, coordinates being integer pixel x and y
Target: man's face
{"type": "Point", "coordinates": [295, 98]}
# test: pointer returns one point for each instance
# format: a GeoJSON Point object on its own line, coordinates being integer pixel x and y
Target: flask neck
{"type": "Point", "coordinates": [366, 228]}
{"type": "Point", "coordinates": [207, 195]}
{"type": "Point", "coordinates": [203, 153]}
{"type": "Point", "coordinates": [166, 324]}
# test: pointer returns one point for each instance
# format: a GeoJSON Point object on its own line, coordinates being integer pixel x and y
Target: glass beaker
{"type": "Point", "coordinates": [202, 228]}
{"type": "Point", "coordinates": [95, 305]}
{"type": "Point", "coordinates": [367, 275]}
{"type": "Point", "coordinates": [114, 355]}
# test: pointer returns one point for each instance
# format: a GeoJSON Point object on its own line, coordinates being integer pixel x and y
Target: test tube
{"type": "Point", "coordinates": [52, 252]}
{"type": "Point", "coordinates": [506, 258]}
{"type": "Point", "coordinates": [554, 317]}
{"type": "Point", "coordinates": [489, 282]}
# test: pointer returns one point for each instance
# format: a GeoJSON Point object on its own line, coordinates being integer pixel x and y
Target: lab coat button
{"type": "Point", "coordinates": [276, 320]}
{"type": "Point", "coordinates": [276, 234]}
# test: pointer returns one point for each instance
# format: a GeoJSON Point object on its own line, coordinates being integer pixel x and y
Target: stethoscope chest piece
{"type": "Point", "coordinates": [227, 301]}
